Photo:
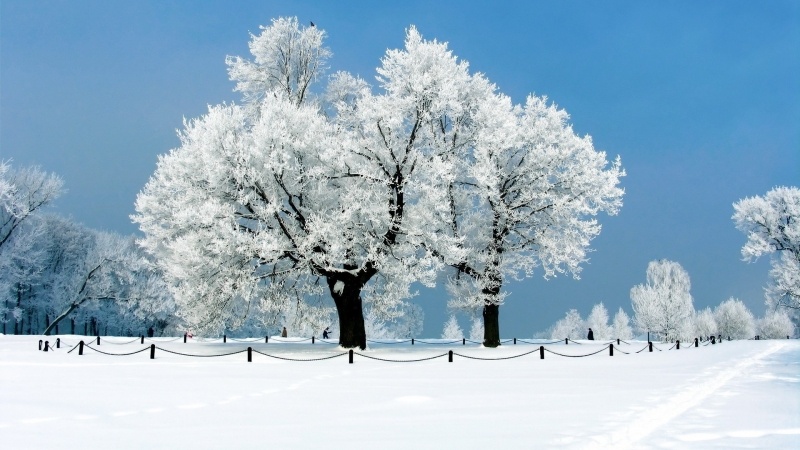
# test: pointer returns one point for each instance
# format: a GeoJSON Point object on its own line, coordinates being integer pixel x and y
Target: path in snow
{"type": "Point", "coordinates": [674, 409]}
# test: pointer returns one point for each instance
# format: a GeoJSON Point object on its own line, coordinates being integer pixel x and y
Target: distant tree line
{"type": "Point", "coordinates": [664, 309]}
{"type": "Point", "coordinates": [59, 276]}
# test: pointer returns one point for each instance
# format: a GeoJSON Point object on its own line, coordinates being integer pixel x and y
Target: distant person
{"type": "Point", "coordinates": [325, 333]}
{"type": "Point", "coordinates": [591, 335]}
{"type": "Point", "coordinates": [284, 333]}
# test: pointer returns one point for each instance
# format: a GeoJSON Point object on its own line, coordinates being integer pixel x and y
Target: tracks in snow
{"type": "Point", "coordinates": [651, 420]}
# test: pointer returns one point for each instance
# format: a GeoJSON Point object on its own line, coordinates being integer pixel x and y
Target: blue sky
{"type": "Point", "coordinates": [700, 99]}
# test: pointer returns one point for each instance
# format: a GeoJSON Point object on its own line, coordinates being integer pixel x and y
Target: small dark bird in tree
{"type": "Point", "coordinates": [312, 24]}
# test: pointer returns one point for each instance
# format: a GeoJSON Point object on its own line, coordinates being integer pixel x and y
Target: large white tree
{"type": "Point", "coordinates": [526, 197]}
{"type": "Point", "coordinates": [772, 226]}
{"type": "Point", "coordinates": [285, 197]}
{"type": "Point", "coordinates": [663, 305]}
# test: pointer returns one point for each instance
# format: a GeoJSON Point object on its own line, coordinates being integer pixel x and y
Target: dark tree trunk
{"type": "Point", "coordinates": [491, 325]}
{"type": "Point", "coordinates": [346, 293]}
{"type": "Point", "coordinates": [58, 319]}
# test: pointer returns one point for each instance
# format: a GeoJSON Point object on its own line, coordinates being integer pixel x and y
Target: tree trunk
{"type": "Point", "coordinates": [491, 325]}
{"type": "Point", "coordinates": [346, 293]}
{"type": "Point", "coordinates": [54, 324]}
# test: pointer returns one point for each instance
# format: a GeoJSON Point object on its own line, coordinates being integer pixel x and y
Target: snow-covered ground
{"type": "Point", "coordinates": [741, 394]}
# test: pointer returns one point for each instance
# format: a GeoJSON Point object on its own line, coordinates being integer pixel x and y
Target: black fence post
{"type": "Point", "coordinates": [719, 339]}
{"type": "Point", "coordinates": [184, 337]}
{"type": "Point", "coordinates": [152, 351]}
{"type": "Point", "coordinates": [249, 354]}
{"type": "Point", "coordinates": [47, 346]}
{"type": "Point", "coordinates": [40, 344]}
{"type": "Point", "coordinates": [224, 338]}
{"type": "Point", "coordinates": [142, 339]}
{"type": "Point", "coordinates": [677, 345]}
{"type": "Point", "coordinates": [650, 345]}
{"type": "Point", "coordinates": [713, 340]}
{"type": "Point", "coordinates": [350, 357]}
{"type": "Point", "coordinates": [617, 341]}
{"type": "Point", "coordinates": [515, 341]}
{"type": "Point", "coordinates": [566, 341]}
{"type": "Point", "coordinates": [58, 342]}
{"type": "Point", "coordinates": [729, 338]}
{"type": "Point", "coordinates": [464, 340]}
{"type": "Point", "coordinates": [312, 339]}
{"type": "Point", "coordinates": [412, 341]}
{"type": "Point", "coordinates": [98, 340]}
{"type": "Point", "coordinates": [696, 343]}
{"type": "Point", "coordinates": [610, 349]}
{"type": "Point", "coordinates": [450, 356]}
{"type": "Point", "coordinates": [541, 352]}
{"type": "Point", "coordinates": [80, 348]}
{"type": "Point", "coordinates": [266, 339]}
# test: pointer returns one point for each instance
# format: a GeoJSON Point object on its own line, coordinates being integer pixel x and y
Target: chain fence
{"type": "Point", "coordinates": [543, 347]}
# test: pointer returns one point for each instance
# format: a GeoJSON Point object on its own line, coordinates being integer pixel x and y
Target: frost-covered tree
{"type": "Point", "coordinates": [571, 326]}
{"type": "Point", "coordinates": [776, 325]}
{"type": "Point", "coordinates": [772, 226]}
{"type": "Point", "coordinates": [527, 197]}
{"type": "Point", "coordinates": [407, 326]}
{"type": "Point", "coordinates": [663, 305]}
{"type": "Point", "coordinates": [782, 292]}
{"type": "Point", "coordinates": [23, 192]}
{"type": "Point", "coordinates": [287, 59]}
{"type": "Point", "coordinates": [734, 320]}
{"type": "Point", "coordinates": [452, 330]}
{"type": "Point", "coordinates": [284, 197]}
{"type": "Point", "coordinates": [409, 323]}
{"type": "Point", "coordinates": [621, 328]}
{"type": "Point", "coordinates": [704, 323]}
{"type": "Point", "coordinates": [148, 302]}
{"type": "Point", "coordinates": [598, 322]}
{"type": "Point", "coordinates": [21, 275]}
{"type": "Point", "coordinates": [89, 266]}
{"type": "Point", "coordinates": [476, 330]}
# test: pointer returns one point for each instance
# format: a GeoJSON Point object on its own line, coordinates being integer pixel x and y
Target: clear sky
{"type": "Point", "coordinates": [700, 99]}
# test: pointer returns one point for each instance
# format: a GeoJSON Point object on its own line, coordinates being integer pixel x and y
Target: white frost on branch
{"type": "Point", "coordinates": [772, 226]}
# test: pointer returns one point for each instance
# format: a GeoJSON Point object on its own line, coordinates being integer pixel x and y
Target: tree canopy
{"type": "Point", "coordinates": [360, 191]}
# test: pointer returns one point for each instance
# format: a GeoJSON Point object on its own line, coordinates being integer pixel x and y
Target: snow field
{"type": "Point", "coordinates": [741, 394]}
